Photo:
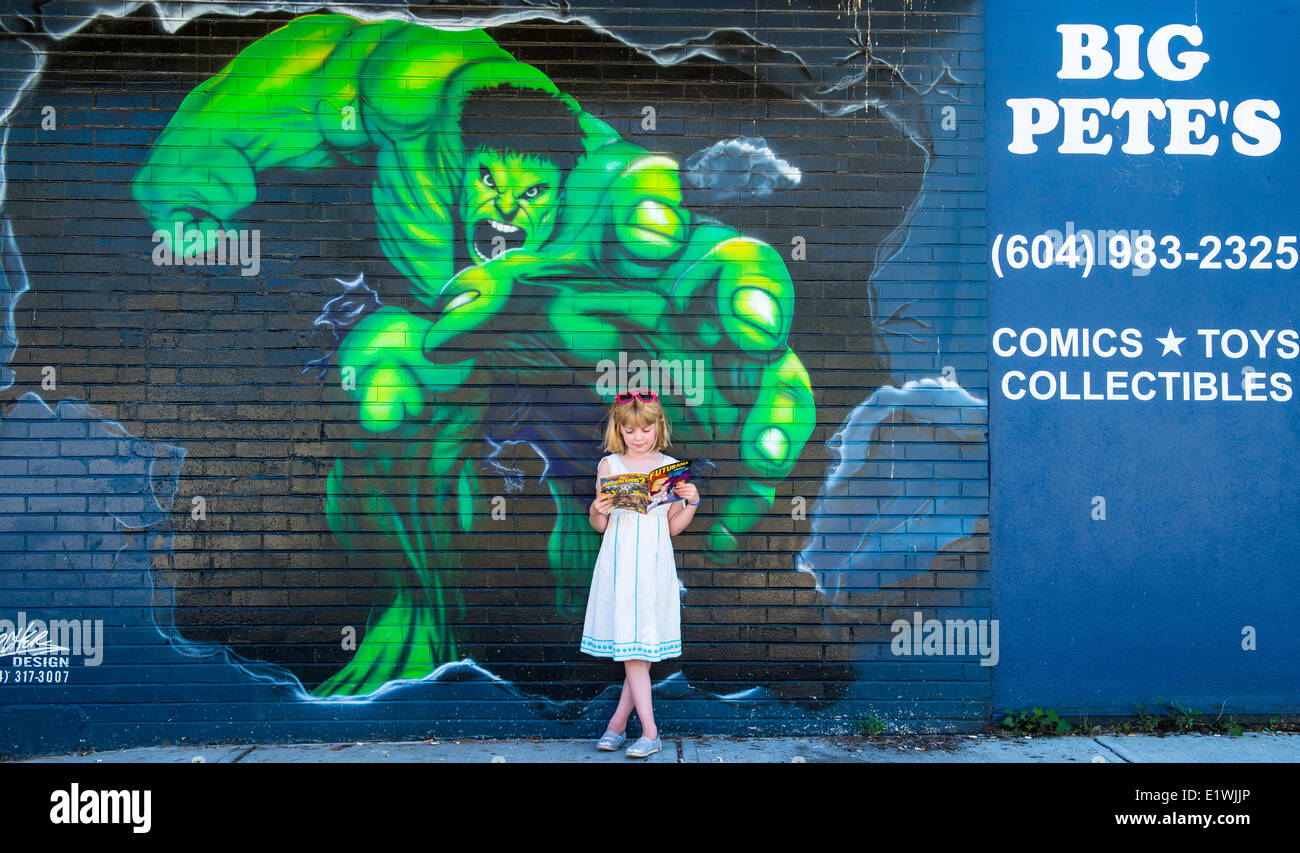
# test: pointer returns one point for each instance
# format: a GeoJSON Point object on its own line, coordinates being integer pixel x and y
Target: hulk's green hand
{"type": "Point", "coordinates": [384, 366]}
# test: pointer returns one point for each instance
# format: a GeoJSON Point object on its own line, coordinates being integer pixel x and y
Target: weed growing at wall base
{"type": "Point", "coordinates": [1174, 718]}
{"type": "Point", "coordinates": [1035, 722]}
{"type": "Point", "coordinates": [871, 725]}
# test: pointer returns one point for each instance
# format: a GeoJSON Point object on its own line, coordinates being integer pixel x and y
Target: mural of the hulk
{"type": "Point", "coordinates": [536, 244]}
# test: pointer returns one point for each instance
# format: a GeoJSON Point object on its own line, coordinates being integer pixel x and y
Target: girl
{"type": "Point", "coordinates": [634, 608]}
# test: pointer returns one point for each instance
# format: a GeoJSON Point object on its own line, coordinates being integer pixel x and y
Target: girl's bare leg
{"type": "Point", "coordinates": [618, 722]}
{"type": "Point", "coordinates": [638, 680]}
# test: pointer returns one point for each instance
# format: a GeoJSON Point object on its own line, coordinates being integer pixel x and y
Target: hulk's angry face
{"type": "Point", "coordinates": [510, 201]}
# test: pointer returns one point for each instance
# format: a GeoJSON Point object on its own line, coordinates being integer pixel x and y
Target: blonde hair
{"type": "Point", "coordinates": [637, 413]}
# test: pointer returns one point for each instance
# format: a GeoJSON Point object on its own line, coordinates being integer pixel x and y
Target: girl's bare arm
{"type": "Point", "coordinates": [598, 514]}
{"type": "Point", "coordinates": [681, 513]}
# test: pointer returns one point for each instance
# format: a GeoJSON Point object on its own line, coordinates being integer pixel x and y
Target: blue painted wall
{"type": "Point", "coordinates": [1197, 550]}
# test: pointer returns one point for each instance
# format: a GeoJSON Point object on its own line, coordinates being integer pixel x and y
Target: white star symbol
{"type": "Point", "coordinates": [1171, 343]}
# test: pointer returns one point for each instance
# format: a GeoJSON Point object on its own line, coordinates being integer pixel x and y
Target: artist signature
{"type": "Point", "coordinates": [32, 642]}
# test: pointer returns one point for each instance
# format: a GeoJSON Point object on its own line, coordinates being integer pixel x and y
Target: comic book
{"type": "Point", "coordinates": [644, 492]}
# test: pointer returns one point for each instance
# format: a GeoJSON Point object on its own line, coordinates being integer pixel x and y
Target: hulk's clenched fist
{"type": "Point", "coordinates": [532, 236]}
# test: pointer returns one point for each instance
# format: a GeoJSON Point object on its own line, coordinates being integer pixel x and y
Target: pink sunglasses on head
{"type": "Point", "coordinates": [627, 396]}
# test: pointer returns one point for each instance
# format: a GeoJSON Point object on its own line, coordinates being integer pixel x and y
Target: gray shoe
{"type": "Point", "coordinates": [610, 741]}
{"type": "Point", "coordinates": [645, 747]}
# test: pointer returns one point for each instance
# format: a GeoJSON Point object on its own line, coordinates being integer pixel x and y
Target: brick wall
{"type": "Point", "coordinates": [185, 498]}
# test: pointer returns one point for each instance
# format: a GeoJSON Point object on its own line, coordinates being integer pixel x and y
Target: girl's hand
{"type": "Point", "coordinates": [604, 503]}
{"type": "Point", "coordinates": [688, 491]}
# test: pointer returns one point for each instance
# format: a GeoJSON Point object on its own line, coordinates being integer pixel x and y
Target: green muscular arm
{"type": "Point", "coordinates": [322, 90]}
{"type": "Point", "coordinates": [757, 397]}
{"type": "Point", "coordinates": [734, 301]}
{"type": "Point", "coordinates": [261, 111]}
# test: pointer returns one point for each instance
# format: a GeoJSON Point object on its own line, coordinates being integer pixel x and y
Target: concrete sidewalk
{"type": "Point", "coordinates": [1254, 747]}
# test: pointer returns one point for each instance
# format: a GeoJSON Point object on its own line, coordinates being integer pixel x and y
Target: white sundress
{"type": "Point", "coordinates": [634, 608]}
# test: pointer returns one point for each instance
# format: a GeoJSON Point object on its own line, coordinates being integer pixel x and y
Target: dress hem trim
{"type": "Point", "coordinates": [631, 651]}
